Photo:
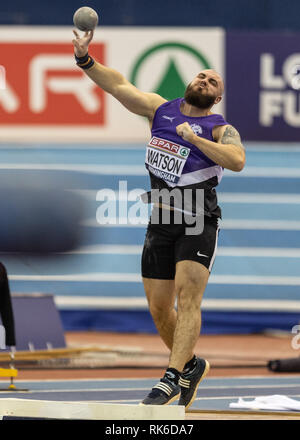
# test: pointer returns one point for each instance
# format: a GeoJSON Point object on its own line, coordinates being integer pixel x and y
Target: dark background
{"type": "Point", "coordinates": [229, 14]}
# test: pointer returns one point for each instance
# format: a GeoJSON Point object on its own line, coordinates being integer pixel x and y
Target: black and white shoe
{"type": "Point", "coordinates": [164, 393]}
{"type": "Point", "coordinates": [190, 381]}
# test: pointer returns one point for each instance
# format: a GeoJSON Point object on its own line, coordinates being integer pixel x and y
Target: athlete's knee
{"type": "Point", "coordinates": [159, 310]}
{"type": "Point", "coordinates": [189, 301]}
{"type": "Point", "coordinates": [190, 283]}
{"type": "Point", "coordinates": [160, 305]}
{"type": "Point", "coordinates": [160, 296]}
{"type": "Point", "coordinates": [190, 273]}
{"type": "Point", "coordinates": [187, 285]}
{"type": "Point", "coordinates": [189, 294]}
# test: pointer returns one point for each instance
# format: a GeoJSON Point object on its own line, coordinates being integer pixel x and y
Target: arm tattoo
{"type": "Point", "coordinates": [231, 136]}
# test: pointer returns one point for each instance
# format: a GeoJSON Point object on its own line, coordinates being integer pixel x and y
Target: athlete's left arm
{"type": "Point", "coordinates": [227, 150]}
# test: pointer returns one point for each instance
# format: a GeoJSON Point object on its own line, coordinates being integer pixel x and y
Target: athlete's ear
{"type": "Point", "coordinates": [218, 99]}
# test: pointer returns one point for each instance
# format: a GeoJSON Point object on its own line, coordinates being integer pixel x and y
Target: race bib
{"type": "Point", "coordinates": [165, 159]}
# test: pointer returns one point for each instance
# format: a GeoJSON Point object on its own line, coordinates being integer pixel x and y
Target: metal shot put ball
{"type": "Point", "coordinates": [85, 19]}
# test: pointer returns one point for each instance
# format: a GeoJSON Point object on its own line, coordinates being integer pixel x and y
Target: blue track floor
{"type": "Point", "coordinates": [213, 393]}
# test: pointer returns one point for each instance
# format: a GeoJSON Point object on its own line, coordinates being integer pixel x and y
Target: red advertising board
{"type": "Point", "coordinates": [44, 86]}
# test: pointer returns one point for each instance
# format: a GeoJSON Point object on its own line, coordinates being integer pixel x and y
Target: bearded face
{"type": "Point", "coordinates": [198, 98]}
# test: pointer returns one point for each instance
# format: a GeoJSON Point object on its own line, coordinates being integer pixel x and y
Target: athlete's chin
{"type": "Point", "coordinates": [197, 104]}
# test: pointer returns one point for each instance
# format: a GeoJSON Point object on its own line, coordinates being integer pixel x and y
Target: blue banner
{"type": "Point", "coordinates": [263, 85]}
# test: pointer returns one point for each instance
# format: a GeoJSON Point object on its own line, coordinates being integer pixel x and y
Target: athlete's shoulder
{"type": "Point", "coordinates": [219, 119]}
{"type": "Point", "coordinates": [167, 109]}
{"type": "Point", "coordinates": [170, 103]}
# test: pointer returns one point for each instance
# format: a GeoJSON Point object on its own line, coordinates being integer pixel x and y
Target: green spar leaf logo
{"type": "Point", "coordinates": [170, 85]}
{"type": "Point", "coordinates": [184, 152]}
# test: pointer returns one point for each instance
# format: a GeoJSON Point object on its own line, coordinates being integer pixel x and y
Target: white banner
{"type": "Point", "coordinates": [46, 97]}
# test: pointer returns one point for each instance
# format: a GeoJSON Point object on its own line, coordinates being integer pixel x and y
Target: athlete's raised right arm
{"type": "Point", "coordinates": [114, 83]}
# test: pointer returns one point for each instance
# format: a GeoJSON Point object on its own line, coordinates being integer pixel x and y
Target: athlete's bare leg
{"type": "Point", "coordinates": [190, 283]}
{"type": "Point", "coordinates": [161, 299]}
{"type": "Point", "coordinates": [179, 331]}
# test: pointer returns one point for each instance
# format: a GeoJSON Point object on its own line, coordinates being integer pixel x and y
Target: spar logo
{"type": "Point", "coordinates": [280, 86]}
{"type": "Point", "coordinates": [41, 84]}
{"type": "Point", "coordinates": [165, 145]}
{"type": "Point", "coordinates": [167, 68]}
{"type": "Point", "coordinates": [166, 159]}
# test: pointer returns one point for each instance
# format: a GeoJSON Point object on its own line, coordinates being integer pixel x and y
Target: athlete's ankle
{"type": "Point", "coordinates": [190, 365]}
{"type": "Point", "coordinates": [172, 375]}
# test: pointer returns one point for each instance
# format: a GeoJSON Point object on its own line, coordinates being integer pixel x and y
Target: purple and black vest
{"type": "Point", "coordinates": [173, 162]}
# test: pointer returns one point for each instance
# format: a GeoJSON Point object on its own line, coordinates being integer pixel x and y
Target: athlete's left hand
{"type": "Point", "coordinates": [184, 130]}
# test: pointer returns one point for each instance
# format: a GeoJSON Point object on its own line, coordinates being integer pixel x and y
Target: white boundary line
{"type": "Point", "coordinates": [223, 197]}
{"type": "Point", "coordinates": [266, 172]}
{"type": "Point", "coordinates": [141, 222]}
{"type": "Point", "coordinates": [68, 145]}
{"type": "Point", "coordinates": [251, 146]}
{"type": "Point", "coordinates": [136, 278]}
{"type": "Point", "coordinates": [283, 376]}
{"type": "Point", "coordinates": [120, 389]}
{"type": "Point", "coordinates": [272, 147]}
{"type": "Point", "coordinates": [132, 170]}
{"type": "Point", "coordinates": [125, 303]}
{"type": "Point", "coordinates": [139, 170]}
{"type": "Point", "coordinates": [244, 397]}
{"type": "Point", "coordinates": [282, 225]}
{"type": "Point", "coordinates": [259, 198]}
{"type": "Point", "coordinates": [120, 379]}
{"type": "Point", "coordinates": [228, 251]}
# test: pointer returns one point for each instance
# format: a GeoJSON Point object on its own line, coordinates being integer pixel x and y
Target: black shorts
{"type": "Point", "coordinates": [167, 244]}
